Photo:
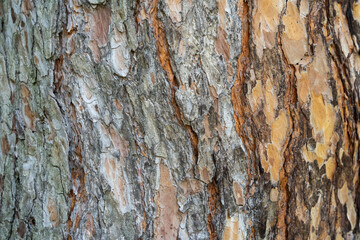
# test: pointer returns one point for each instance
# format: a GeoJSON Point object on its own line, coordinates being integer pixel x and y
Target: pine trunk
{"type": "Point", "coordinates": [179, 119]}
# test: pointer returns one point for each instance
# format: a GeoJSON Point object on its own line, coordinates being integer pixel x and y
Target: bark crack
{"type": "Point", "coordinates": [288, 153]}
{"type": "Point", "coordinates": [165, 61]}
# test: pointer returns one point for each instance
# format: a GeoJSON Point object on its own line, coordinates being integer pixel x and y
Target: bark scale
{"type": "Point", "coordinates": [166, 119]}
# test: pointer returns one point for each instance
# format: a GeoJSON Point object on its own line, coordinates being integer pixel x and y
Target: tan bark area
{"type": "Point", "coordinates": [300, 89]}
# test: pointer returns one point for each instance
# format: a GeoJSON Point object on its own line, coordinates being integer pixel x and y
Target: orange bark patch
{"type": "Point", "coordinates": [182, 48]}
{"type": "Point", "coordinates": [263, 159]}
{"type": "Point", "coordinates": [191, 186]}
{"type": "Point", "coordinates": [5, 145]}
{"type": "Point", "coordinates": [26, 7]}
{"type": "Point", "coordinates": [99, 22]}
{"type": "Point", "coordinates": [330, 168]}
{"type": "Point", "coordinates": [279, 132]}
{"type": "Point", "coordinates": [351, 212]}
{"type": "Point", "coordinates": [232, 228]}
{"type": "Point", "coordinates": [174, 7]}
{"type": "Point", "coordinates": [207, 127]}
{"type": "Point", "coordinates": [256, 96]}
{"type": "Point", "coordinates": [114, 175]}
{"type": "Point", "coordinates": [221, 45]}
{"type": "Point", "coordinates": [118, 105]}
{"type": "Point", "coordinates": [239, 101]}
{"type": "Point", "coordinates": [295, 38]}
{"type": "Point", "coordinates": [29, 117]}
{"type": "Point", "coordinates": [95, 50]}
{"type": "Point", "coordinates": [205, 175]}
{"type": "Point", "coordinates": [279, 129]}
{"type": "Point", "coordinates": [294, 25]}
{"type": "Point", "coordinates": [318, 72]}
{"type": "Point", "coordinates": [58, 73]}
{"type": "Point", "coordinates": [282, 206]}
{"type": "Point", "coordinates": [270, 102]}
{"type": "Point", "coordinates": [239, 198]}
{"type": "Point", "coordinates": [78, 176]}
{"type": "Point", "coordinates": [323, 119]}
{"type": "Point", "coordinates": [167, 221]}
{"type": "Point", "coordinates": [275, 160]}
{"type": "Point", "coordinates": [342, 30]}
{"type": "Point", "coordinates": [119, 143]}
{"type": "Point", "coordinates": [90, 227]}
{"type": "Point", "coordinates": [265, 22]}
{"type": "Point", "coordinates": [222, 17]}
{"type": "Point", "coordinates": [270, 11]}
{"type": "Point", "coordinates": [213, 204]}
{"type": "Point", "coordinates": [53, 213]}
{"type": "Point", "coordinates": [21, 229]}
{"type": "Point", "coordinates": [356, 11]}
{"type": "Point", "coordinates": [274, 195]}
{"type": "Point", "coordinates": [25, 93]}
{"type": "Point", "coordinates": [343, 194]}
{"type": "Point", "coordinates": [303, 87]}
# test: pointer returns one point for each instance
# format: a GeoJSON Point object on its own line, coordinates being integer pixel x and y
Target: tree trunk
{"type": "Point", "coordinates": [179, 119]}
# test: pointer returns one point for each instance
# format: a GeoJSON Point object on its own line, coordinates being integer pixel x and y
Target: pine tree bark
{"type": "Point", "coordinates": [179, 119]}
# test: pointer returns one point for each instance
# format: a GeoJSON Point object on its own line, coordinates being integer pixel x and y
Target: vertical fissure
{"type": "Point", "coordinates": [165, 62]}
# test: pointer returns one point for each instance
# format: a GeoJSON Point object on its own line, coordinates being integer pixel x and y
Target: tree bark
{"type": "Point", "coordinates": [179, 119]}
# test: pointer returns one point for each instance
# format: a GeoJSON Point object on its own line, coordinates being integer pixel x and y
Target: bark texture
{"type": "Point", "coordinates": [179, 119]}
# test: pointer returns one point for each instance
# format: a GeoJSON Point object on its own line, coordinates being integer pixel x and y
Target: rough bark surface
{"type": "Point", "coordinates": [179, 119]}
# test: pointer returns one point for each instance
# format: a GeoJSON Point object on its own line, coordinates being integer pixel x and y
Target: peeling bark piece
{"type": "Point", "coordinates": [120, 56]}
{"type": "Point", "coordinates": [343, 194]}
{"type": "Point", "coordinates": [295, 36]}
{"type": "Point", "coordinates": [99, 22]}
{"type": "Point", "coordinates": [53, 213]}
{"type": "Point", "coordinates": [167, 222]}
{"type": "Point", "coordinates": [319, 72]}
{"type": "Point", "coordinates": [266, 20]}
{"type": "Point", "coordinates": [221, 44]}
{"type": "Point", "coordinates": [113, 172]}
{"type": "Point", "coordinates": [21, 229]}
{"type": "Point", "coordinates": [5, 146]}
{"type": "Point", "coordinates": [232, 229]}
{"type": "Point", "coordinates": [238, 193]}
{"type": "Point", "coordinates": [175, 8]}
{"type": "Point", "coordinates": [26, 7]}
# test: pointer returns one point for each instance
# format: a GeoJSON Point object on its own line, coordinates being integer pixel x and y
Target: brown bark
{"type": "Point", "coordinates": [179, 119]}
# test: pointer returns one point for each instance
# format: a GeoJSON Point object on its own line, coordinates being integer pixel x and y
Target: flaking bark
{"type": "Point", "coordinates": [179, 119]}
